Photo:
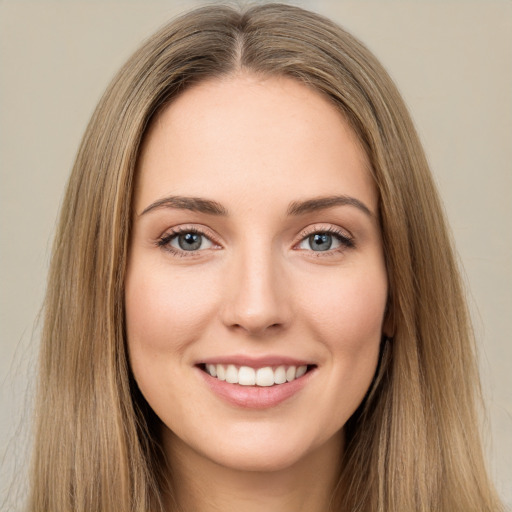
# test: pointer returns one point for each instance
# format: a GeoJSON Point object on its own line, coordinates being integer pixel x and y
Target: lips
{"type": "Point", "coordinates": [256, 383]}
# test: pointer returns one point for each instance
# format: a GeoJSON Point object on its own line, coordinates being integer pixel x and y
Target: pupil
{"type": "Point", "coordinates": [189, 241]}
{"type": "Point", "coordinates": [320, 241]}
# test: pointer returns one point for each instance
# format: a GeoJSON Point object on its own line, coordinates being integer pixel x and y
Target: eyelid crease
{"type": "Point", "coordinates": [323, 228]}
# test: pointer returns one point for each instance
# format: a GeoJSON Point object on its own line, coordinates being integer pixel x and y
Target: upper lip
{"type": "Point", "coordinates": [256, 362]}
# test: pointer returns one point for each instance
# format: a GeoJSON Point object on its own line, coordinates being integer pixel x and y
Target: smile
{"type": "Point", "coordinates": [247, 376]}
{"type": "Point", "coordinates": [256, 382]}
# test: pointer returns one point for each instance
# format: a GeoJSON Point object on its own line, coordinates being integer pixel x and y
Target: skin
{"type": "Point", "coordinates": [258, 288]}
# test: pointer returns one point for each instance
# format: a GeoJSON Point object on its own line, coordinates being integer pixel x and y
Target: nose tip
{"type": "Point", "coordinates": [256, 322]}
{"type": "Point", "coordinates": [257, 311]}
{"type": "Point", "coordinates": [257, 300]}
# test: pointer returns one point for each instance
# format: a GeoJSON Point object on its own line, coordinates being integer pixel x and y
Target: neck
{"type": "Point", "coordinates": [202, 485]}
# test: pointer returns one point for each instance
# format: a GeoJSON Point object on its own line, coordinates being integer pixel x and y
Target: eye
{"type": "Point", "coordinates": [322, 241]}
{"type": "Point", "coordinates": [187, 240]}
{"type": "Point", "coordinates": [190, 242]}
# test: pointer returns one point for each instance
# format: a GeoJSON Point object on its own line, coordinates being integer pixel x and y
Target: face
{"type": "Point", "coordinates": [256, 284]}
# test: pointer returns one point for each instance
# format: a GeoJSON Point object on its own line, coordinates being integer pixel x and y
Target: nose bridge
{"type": "Point", "coordinates": [258, 295]}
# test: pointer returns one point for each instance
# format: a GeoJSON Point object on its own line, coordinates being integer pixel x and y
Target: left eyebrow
{"type": "Point", "coordinates": [322, 203]}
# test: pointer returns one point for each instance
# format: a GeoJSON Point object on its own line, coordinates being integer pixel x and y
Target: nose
{"type": "Point", "coordinates": [257, 297]}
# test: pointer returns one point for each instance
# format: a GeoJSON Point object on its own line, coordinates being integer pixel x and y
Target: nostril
{"type": "Point", "coordinates": [256, 328]}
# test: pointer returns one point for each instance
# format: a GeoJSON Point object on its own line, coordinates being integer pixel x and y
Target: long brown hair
{"type": "Point", "coordinates": [413, 445]}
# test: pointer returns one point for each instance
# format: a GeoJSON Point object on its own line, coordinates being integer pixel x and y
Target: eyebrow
{"type": "Point", "coordinates": [197, 204]}
{"type": "Point", "coordinates": [322, 203]}
{"type": "Point", "coordinates": [194, 204]}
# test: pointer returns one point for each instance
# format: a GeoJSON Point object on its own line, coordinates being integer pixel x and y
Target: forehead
{"type": "Point", "coordinates": [251, 136]}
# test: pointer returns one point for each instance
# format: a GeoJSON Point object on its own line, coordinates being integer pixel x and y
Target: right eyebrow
{"type": "Point", "coordinates": [194, 204]}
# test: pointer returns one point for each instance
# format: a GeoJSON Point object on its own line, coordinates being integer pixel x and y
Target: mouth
{"type": "Point", "coordinates": [256, 382]}
{"type": "Point", "coordinates": [264, 376]}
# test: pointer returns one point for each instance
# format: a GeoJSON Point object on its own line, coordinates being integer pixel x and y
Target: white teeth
{"type": "Point", "coordinates": [232, 374]}
{"type": "Point", "coordinates": [247, 376]}
{"type": "Point", "coordinates": [301, 370]}
{"type": "Point", "coordinates": [212, 370]}
{"type": "Point", "coordinates": [290, 373]}
{"type": "Point", "coordinates": [280, 375]}
{"type": "Point", "coordinates": [265, 376]}
{"type": "Point", "coordinates": [221, 372]}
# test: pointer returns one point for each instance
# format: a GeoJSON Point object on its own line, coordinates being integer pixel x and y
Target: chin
{"type": "Point", "coordinates": [263, 454]}
{"type": "Point", "coordinates": [258, 460]}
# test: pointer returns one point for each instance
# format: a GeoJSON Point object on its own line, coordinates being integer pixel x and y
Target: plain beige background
{"type": "Point", "coordinates": [451, 59]}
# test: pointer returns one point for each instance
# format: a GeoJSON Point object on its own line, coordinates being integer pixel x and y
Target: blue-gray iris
{"type": "Point", "coordinates": [320, 241]}
{"type": "Point", "coordinates": [190, 241]}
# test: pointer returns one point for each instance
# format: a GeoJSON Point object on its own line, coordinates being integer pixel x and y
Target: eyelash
{"type": "Point", "coordinates": [164, 242]}
{"type": "Point", "coordinates": [346, 242]}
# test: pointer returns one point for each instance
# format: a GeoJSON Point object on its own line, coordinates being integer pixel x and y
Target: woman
{"type": "Point", "coordinates": [253, 300]}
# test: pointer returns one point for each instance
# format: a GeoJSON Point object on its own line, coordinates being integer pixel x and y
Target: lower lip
{"type": "Point", "coordinates": [255, 397]}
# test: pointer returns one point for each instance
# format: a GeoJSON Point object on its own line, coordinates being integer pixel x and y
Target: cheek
{"type": "Point", "coordinates": [165, 312]}
{"type": "Point", "coordinates": [348, 319]}
{"type": "Point", "coordinates": [348, 309]}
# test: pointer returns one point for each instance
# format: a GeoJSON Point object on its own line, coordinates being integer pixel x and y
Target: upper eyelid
{"type": "Point", "coordinates": [312, 228]}
{"type": "Point", "coordinates": [324, 228]}
{"type": "Point", "coordinates": [190, 228]}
